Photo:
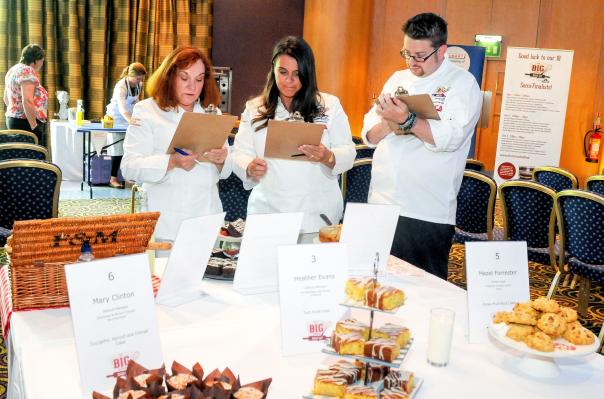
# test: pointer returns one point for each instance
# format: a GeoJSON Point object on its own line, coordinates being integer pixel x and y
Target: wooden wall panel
{"type": "Point", "coordinates": [558, 24]}
{"type": "Point", "coordinates": [466, 18]}
{"type": "Point", "coordinates": [341, 51]}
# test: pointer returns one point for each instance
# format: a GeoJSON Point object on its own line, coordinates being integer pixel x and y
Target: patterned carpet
{"type": "Point", "coordinates": [540, 275]}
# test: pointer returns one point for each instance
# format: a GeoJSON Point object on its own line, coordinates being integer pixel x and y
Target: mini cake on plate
{"type": "Point", "coordinates": [352, 326]}
{"type": "Point", "coordinates": [384, 297]}
{"type": "Point", "coordinates": [400, 380]}
{"type": "Point", "coordinates": [393, 393]}
{"type": "Point", "coordinates": [357, 287]}
{"type": "Point", "coordinates": [329, 383]}
{"type": "Point", "coordinates": [351, 371]}
{"type": "Point", "coordinates": [382, 349]}
{"type": "Point", "coordinates": [400, 334]}
{"type": "Point", "coordinates": [360, 392]}
{"type": "Point", "coordinates": [347, 344]}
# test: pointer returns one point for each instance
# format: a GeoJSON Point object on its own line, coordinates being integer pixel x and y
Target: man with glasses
{"type": "Point", "coordinates": [418, 163]}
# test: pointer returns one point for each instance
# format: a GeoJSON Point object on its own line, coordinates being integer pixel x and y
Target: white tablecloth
{"type": "Point", "coordinates": [66, 147]}
{"type": "Point", "coordinates": [243, 332]}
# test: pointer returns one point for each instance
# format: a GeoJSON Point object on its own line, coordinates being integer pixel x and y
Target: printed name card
{"type": "Point", "coordinates": [181, 281]}
{"type": "Point", "coordinates": [113, 318]}
{"type": "Point", "coordinates": [311, 286]}
{"type": "Point", "coordinates": [497, 277]}
{"type": "Point", "coordinates": [368, 229]}
{"type": "Point", "coordinates": [257, 264]}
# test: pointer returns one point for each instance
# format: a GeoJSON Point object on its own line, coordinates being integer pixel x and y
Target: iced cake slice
{"type": "Point", "coordinates": [384, 297]}
{"type": "Point", "coordinates": [357, 287]}
{"type": "Point", "coordinates": [382, 349]}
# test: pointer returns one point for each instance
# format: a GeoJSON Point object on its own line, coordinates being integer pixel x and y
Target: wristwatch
{"type": "Point", "coordinates": [408, 124]}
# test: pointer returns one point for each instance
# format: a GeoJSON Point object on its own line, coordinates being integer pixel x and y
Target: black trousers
{"type": "Point", "coordinates": [424, 244]}
{"type": "Point", "coordinates": [23, 124]}
{"type": "Point", "coordinates": [116, 161]}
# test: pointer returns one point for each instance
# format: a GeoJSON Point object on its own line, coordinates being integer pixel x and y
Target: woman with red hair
{"type": "Point", "coordinates": [175, 184]}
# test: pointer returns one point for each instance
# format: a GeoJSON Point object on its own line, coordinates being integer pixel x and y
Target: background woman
{"type": "Point", "coordinates": [293, 186]}
{"type": "Point", "coordinates": [25, 98]}
{"type": "Point", "coordinates": [175, 184]}
{"type": "Point", "coordinates": [127, 92]}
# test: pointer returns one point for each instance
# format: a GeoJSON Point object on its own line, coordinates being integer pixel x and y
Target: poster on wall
{"type": "Point", "coordinates": [470, 58]}
{"type": "Point", "coordinates": [533, 110]}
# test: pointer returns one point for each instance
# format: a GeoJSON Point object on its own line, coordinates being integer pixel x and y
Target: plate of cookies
{"type": "Point", "coordinates": [545, 328]}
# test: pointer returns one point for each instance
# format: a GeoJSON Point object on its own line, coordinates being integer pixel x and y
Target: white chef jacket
{"type": "Point", "coordinates": [424, 179]}
{"type": "Point", "coordinates": [296, 186]}
{"type": "Point", "coordinates": [178, 194]}
{"type": "Point", "coordinates": [123, 100]}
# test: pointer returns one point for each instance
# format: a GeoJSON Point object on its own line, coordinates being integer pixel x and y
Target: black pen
{"type": "Point", "coordinates": [297, 155]}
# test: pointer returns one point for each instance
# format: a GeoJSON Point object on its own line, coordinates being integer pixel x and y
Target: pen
{"type": "Point", "coordinates": [297, 155]}
{"type": "Point", "coordinates": [181, 152]}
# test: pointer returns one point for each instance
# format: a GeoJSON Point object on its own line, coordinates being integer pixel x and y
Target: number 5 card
{"type": "Point", "coordinates": [113, 316]}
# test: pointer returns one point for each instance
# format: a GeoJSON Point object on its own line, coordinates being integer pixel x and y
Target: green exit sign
{"type": "Point", "coordinates": [491, 43]}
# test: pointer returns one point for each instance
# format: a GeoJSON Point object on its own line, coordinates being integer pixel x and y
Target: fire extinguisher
{"type": "Point", "coordinates": [592, 141]}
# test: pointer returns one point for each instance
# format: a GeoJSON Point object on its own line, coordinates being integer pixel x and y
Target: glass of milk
{"type": "Point", "coordinates": [440, 335]}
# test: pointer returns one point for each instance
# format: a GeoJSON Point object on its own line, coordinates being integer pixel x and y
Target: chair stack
{"type": "Point", "coordinates": [475, 208]}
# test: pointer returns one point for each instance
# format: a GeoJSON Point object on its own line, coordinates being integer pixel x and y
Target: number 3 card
{"type": "Point", "coordinates": [311, 286]}
{"type": "Point", "coordinates": [113, 316]}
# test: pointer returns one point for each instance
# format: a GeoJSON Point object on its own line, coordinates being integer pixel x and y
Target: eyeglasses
{"type": "Point", "coordinates": [406, 55]}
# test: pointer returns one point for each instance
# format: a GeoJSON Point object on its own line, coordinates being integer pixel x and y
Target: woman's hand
{"type": "Point", "coordinates": [216, 155]}
{"type": "Point", "coordinates": [318, 153]}
{"type": "Point", "coordinates": [186, 162]}
{"type": "Point", "coordinates": [256, 169]}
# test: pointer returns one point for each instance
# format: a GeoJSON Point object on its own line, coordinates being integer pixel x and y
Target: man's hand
{"type": "Point", "coordinates": [392, 109]}
{"type": "Point", "coordinates": [256, 169]}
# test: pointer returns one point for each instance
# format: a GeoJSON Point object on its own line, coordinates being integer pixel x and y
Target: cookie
{"type": "Point", "coordinates": [552, 324]}
{"type": "Point", "coordinates": [501, 317]}
{"type": "Point", "coordinates": [577, 334]}
{"type": "Point", "coordinates": [522, 318]}
{"type": "Point", "coordinates": [569, 314]}
{"type": "Point", "coordinates": [526, 307]}
{"type": "Point", "coordinates": [546, 305]}
{"type": "Point", "coordinates": [540, 341]}
{"type": "Point", "coordinates": [518, 332]}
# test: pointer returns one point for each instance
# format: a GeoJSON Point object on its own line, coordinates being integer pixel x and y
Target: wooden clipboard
{"type": "Point", "coordinates": [421, 104]}
{"type": "Point", "coordinates": [202, 132]}
{"type": "Point", "coordinates": [284, 137]}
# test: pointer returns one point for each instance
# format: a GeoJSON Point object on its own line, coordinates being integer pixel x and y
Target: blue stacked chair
{"type": "Point", "coordinates": [355, 182]}
{"type": "Point", "coordinates": [557, 179]}
{"type": "Point", "coordinates": [475, 208]}
{"type": "Point", "coordinates": [581, 223]}
{"type": "Point", "coordinates": [17, 136]}
{"type": "Point", "coordinates": [474, 164]}
{"type": "Point", "coordinates": [529, 215]}
{"type": "Point", "coordinates": [364, 151]}
{"type": "Point", "coordinates": [29, 190]}
{"type": "Point", "coordinates": [595, 184]}
{"type": "Point", "coordinates": [23, 151]}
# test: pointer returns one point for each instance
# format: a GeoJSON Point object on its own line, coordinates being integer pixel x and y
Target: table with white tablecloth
{"type": "Point", "coordinates": [225, 328]}
{"type": "Point", "coordinates": [66, 149]}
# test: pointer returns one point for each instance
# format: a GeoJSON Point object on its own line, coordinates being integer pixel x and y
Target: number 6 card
{"type": "Point", "coordinates": [113, 316]}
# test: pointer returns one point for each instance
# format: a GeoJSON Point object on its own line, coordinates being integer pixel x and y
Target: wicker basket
{"type": "Point", "coordinates": [40, 249]}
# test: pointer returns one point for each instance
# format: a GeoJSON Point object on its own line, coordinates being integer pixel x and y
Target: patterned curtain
{"type": "Point", "coordinates": [89, 42]}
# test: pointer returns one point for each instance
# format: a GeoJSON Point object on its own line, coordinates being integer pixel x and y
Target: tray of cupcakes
{"type": "Point", "coordinates": [355, 379]}
{"type": "Point", "coordinates": [368, 294]}
{"type": "Point", "coordinates": [183, 383]}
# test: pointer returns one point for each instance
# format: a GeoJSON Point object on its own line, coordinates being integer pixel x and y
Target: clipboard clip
{"type": "Point", "coordinates": [401, 91]}
{"type": "Point", "coordinates": [295, 117]}
{"type": "Point", "coordinates": [211, 109]}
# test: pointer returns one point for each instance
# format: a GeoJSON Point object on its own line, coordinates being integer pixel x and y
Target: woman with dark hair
{"type": "Point", "coordinates": [25, 98]}
{"type": "Point", "coordinates": [126, 93]}
{"type": "Point", "coordinates": [292, 186]}
{"type": "Point", "coordinates": [175, 184]}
